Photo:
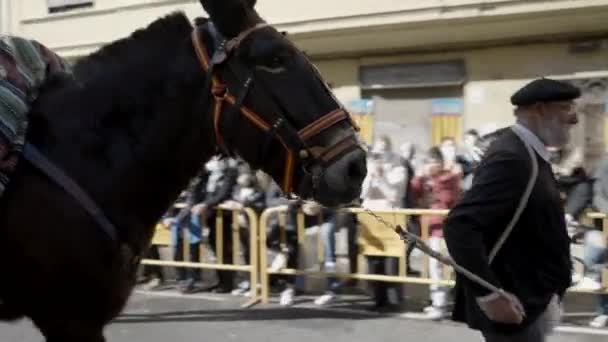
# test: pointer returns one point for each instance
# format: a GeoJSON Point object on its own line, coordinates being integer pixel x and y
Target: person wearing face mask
{"type": "Point", "coordinates": [509, 228]}
{"type": "Point", "coordinates": [437, 187]}
{"type": "Point", "coordinates": [246, 194]}
{"type": "Point", "coordinates": [469, 157]}
{"type": "Point", "coordinates": [222, 175]}
{"type": "Point", "coordinates": [384, 188]}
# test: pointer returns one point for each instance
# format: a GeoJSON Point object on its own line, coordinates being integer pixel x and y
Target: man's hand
{"type": "Point", "coordinates": [168, 222]}
{"type": "Point", "coordinates": [503, 308]}
{"type": "Point", "coordinates": [311, 208]}
{"type": "Point", "coordinates": [232, 205]}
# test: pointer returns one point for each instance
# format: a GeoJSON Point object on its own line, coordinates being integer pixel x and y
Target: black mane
{"type": "Point", "coordinates": [143, 48]}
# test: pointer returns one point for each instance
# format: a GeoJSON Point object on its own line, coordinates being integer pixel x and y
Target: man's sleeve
{"type": "Point", "coordinates": [484, 212]}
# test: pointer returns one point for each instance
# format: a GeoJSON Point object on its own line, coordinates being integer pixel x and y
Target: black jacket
{"type": "Point", "coordinates": [223, 187]}
{"type": "Point", "coordinates": [534, 263]}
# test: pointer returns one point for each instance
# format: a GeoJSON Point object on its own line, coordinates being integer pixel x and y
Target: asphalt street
{"type": "Point", "coordinates": [167, 316]}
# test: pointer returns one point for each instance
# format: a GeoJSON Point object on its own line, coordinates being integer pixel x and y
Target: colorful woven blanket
{"type": "Point", "coordinates": [24, 66]}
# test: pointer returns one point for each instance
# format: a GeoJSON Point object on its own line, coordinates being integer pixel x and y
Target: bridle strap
{"type": "Point", "coordinates": [328, 154]}
{"type": "Point", "coordinates": [294, 142]}
{"type": "Point", "coordinates": [222, 95]}
{"type": "Point", "coordinates": [232, 114]}
{"type": "Point", "coordinates": [323, 123]}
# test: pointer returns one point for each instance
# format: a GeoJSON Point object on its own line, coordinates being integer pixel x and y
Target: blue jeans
{"type": "Point", "coordinates": [193, 225]}
{"type": "Point", "coordinates": [328, 236]}
{"type": "Point", "coordinates": [595, 257]}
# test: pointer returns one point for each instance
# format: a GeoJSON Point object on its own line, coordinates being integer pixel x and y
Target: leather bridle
{"type": "Point", "coordinates": [296, 143]}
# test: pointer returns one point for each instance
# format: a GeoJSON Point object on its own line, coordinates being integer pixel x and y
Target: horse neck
{"type": "Point", "coordinates": [172, 150]}
{"type": "Point", "coordinates": [136, 182]}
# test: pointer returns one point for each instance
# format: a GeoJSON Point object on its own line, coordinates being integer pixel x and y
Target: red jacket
{"type": "Point", "coordinates": [441, 191]}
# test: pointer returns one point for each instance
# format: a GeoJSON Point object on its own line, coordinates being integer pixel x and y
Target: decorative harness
{"type": "Point", "coordinates": [296, 143]}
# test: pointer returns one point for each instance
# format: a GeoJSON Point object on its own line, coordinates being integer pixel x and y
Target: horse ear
{"type": "Point", "coordinates": [231, 16]}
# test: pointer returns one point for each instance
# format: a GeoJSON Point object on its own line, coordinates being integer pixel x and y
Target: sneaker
{"type": "Point", "coordinates": [434, 314]}
{"type": "Point", "coordinates": [325, 299]}
{"type": "Point", "coordinates": [600, 321]}
{"type": "Point", "coordinates": [329, 267]}
{"type": "Point", "coordinates": [241, 289]}
{"type": "Point", "coordinates": [189, 286]}
{"type": "Point", "coordinates": [287, 297]}
{"type": "Point", "coordinates": [278, 263]}
{"type": "Point", "coordinates": [152, 284]}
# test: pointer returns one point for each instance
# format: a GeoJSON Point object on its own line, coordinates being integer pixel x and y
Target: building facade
{"type": "Point", "coordinates": [417, 70]}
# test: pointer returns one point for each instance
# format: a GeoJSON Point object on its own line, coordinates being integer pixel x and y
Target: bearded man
{"type": "Point", "coordinates": [509, 228]}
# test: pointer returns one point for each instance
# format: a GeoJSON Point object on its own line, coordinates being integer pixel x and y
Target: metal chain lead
{"type": "Point", "coordinates": [417, 242]}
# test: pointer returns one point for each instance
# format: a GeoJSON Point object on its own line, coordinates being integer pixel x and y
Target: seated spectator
{"type": "Point", "coordinates": [221, 180]}
{"type": "Point", "coordinates": [179, 220]}
{"type": "Point", "coordinates": [247, 194]}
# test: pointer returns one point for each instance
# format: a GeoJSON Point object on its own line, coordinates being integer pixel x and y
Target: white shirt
{"type": "Point", "coordinates": [533, 141]}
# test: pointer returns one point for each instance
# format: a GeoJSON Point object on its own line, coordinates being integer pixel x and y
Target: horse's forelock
{"type": "Point", "coordinates": [232, 17]}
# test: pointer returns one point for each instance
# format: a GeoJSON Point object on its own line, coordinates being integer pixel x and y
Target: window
{"type": "Point", "coordinates": [56, 6]}
{"type": "Point", "coordinates": [412, 75]}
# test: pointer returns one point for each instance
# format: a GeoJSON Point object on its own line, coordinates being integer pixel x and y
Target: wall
{"type": "Point", "coordinates": [327, 27]}
{"type": "Point", "coordinates": [494, 74]}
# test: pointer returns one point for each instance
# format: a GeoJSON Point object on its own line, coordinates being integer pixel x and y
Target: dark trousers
{"type": "Point", "coordinates": [152, 271]}
{"type": "Point", "coordinates": [184, 273]}
{"type": "Point", "coordinates": [384, 266]}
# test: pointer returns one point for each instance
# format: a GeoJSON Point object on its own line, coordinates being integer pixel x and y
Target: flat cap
{"type": "Point", "coordinates": [545, 90]}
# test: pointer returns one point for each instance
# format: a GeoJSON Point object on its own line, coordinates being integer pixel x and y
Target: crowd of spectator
{"type": "Point", "coordinates": [397, 178]}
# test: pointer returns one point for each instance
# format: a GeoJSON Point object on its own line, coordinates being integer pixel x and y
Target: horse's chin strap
{"type": "Point", "coordinates": [293, 142]}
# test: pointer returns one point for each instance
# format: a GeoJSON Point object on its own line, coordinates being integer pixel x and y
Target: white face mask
{"type": "Point", "coordinates": [469, 141]}
{"type": "Point", "coordinates": [448, 152]}
{"type": "Point", "coordinates": [213, 165]}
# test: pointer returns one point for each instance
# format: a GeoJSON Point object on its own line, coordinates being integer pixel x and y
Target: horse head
{"type": "Point", "coordinates": [274, 109]}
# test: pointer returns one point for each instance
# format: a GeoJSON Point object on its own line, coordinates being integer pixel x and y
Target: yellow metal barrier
{"type": "Point", "coordinates": [162, 237]}
{"type": "Point", "coordinates": [374, 240]}
{"type": "Point", "coordinates": [604, 218]}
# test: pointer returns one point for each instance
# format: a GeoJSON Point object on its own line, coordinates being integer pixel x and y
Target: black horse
{"type": "Point", "coordinates": [132, 126]}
